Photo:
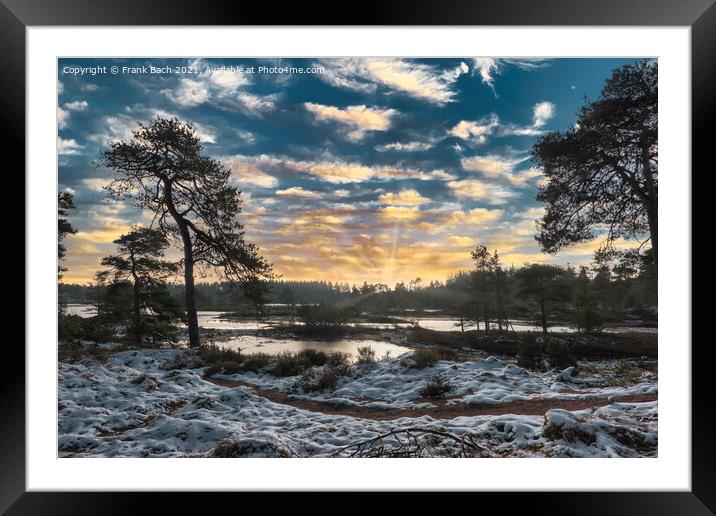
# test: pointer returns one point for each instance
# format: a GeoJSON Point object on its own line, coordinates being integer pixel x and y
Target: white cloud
{"type": "Point", "coordinates": [63, 117]}
{"type": "Point", "coordinates": [244, 171]}
{"type": "Point", "coordinates": [67, 147]}
{"type": "Point", "coordinates": [542, 112]}
{"type": "Point", "coordinates": [63, 112]}
{"type": "Point", "coordinates": [490, 165]}
{"type": "Point", "coordinates": [114, 128]}
{"type": "Point", "coordinates": [455, 73]}
{"type": "Point", "coordinates": [96, 183]}
{"type": "Point", "coordinates": [188, 93]}
{"type": "Point", "coordinates": [488, 67]}
{"type": "Point", "coordinates": [228, 80]}
{"type": "Point", "coordinates": [358, 119]}
{"type": "Point", "coordinates": [88, 87]}
{"type": "Point", "coordinates": [297, 191]}
{"type": "Point", "coordinates": [333, 170]}
{"type": "Point", "coordinates": [409, 197]}
{"type": "Point", "coordinates": [256, 104]}
{"type": "Point", "coordinates": [399, 212]}
{"type": "Point", "coordinates": [481, 191]}
{"type": "Point", "coordinates": [475, 131]}
{"type": "Point", "coordinates": [476, 216]}
{"type": "Point", "coordinates": [205, 133]}
{"type": "Point", "coordinates": [223, 87]}
{"type": "Point", "coordinates": [77, 105]}
{"type": "Point", "coordinates": [422, 81]}
{"type": "Point", "coordinates": [500, 167]}
{"type": "Point", "coordinates": [521, 178]}
{"type": "Point", "coordinates": [407, 146]}
{"type": "Point", "coordinates": [461, 241]}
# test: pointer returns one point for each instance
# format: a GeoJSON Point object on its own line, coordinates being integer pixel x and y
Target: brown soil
{"type": "Point", "coordinates": [440, 410]}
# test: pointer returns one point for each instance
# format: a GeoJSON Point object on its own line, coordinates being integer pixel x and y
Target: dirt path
{"type": "Point", "coordinates": [441, 410]}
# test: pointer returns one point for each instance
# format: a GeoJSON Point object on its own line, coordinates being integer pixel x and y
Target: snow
{"type": "Point", "coordinates": [136, 405]}
{"type": "Point", "coordinates": [480, 381]}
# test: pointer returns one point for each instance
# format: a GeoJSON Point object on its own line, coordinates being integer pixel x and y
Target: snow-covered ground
{"type": "Point", "coordinates": [480, 382]}
{"type": "Point", "coordinates": [137, 404]}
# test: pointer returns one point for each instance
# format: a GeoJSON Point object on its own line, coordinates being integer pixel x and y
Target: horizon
{"type": "Point", "coordinates": [380, 170]}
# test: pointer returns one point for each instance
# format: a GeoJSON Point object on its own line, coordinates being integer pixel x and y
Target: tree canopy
{"type": "Point", "coordinates": [165, 170]}
{"type": "Point", "coordinates": [65, 203]}
{"type": "Point", "coordinates": [602, 174]}
{"type": "Point", "coordinates": [139, 262]}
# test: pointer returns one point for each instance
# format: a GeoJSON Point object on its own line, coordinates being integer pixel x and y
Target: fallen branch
{"type": "Point", "coordinates": [407, 442]}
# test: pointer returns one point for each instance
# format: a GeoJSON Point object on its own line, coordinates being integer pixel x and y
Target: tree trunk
{"type": "Point", "coordinates": [136, 308]}
{"type": "Point", "coordinates": [190, 296]}
{"type": "Point", "coordinates": [652, 211]}
{"type": "Point", "coordinates": [653, 219]}
{"type": "Point", "coordinates": [498, 299]}
{"type": "Point", "coordinates": [192, 320]}
{"type": "Point", "coordinates": [544, 316]}
{"type": "Point", "coordinates": [487, 321]}
{"type": "Point", "coordinates": [137, 330]}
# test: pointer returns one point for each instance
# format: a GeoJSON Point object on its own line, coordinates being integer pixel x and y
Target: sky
{"type": "Point", "coordinates": [351, 169]}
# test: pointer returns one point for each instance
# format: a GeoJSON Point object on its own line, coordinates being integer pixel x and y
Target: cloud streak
{"type": "Point", "coordinates": [357, 120]}
{"type": "Point", "coordinates": [421, 81]}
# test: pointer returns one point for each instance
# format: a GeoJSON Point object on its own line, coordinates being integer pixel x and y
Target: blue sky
{"type": "Point", "coordinates": [377, 169]}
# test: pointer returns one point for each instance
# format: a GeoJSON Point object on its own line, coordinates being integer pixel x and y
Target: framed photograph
{"type": "Point", "coordinates": [265, 256]}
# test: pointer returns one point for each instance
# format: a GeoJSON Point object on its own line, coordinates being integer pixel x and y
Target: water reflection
{"type": "Point", "coordinates": [259, 344]}
{"type": "Point", "coordinates": [218, 321]}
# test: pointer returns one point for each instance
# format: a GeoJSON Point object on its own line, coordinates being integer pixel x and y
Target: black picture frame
{"type": "Point", "coordinates": [700, 15]}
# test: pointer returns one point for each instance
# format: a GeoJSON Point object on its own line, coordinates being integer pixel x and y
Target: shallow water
{"type": "Point", "coordinates": [213, 320]}
{"type": "Point", "coordinates": [81, 310]}
{"type": "Point", "coordinates": [258, 344]}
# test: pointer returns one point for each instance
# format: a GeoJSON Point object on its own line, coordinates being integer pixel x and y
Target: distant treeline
{"type": "Point", "coordinates": [614, 289]}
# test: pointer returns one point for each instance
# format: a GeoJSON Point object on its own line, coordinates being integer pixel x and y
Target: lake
{"type": "Point", "coordinates": [243, 334]}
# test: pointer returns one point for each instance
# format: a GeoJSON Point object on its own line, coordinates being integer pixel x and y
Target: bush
{"type": "Point", "coordinates": [558, 354]}
{"type": "Point", "coordinates": [212, 354]}
{"type": "Point", "coordinates": [231, 361]}
{"type": "Point", "coordinates": [366, 355]}
{"type": "Point", "coordinates": [255, 361]}
{"type": "Point", "coordinates": [97, 330]}
{"type": "Point", "coordinates": [311, 357]}
{"type": "Point", "coordinates": [587, 319]}
{"type": "Point", "coordinates": [425, 357]}
{"type": "Point", "coordinates": [322, 316]}
{"type": "Point", "coordinates": [337, 358]}
{"type": "Point", "coordinates": [436, 387]}
{"type": "Point", "coordinates": [69, 327]}
{"type": "Point", "coordinates": [284, 364]}
{"type": "Point", "coordinates": [249, 448]}
{"type": "Point", "coordinates": [73, 352]}
{"type": "Point", "coordinates": [529, 352]}
{"type": "Point", "coordinates": [315, 380]}
{"type": "Point", "coordinates": [291, 364]}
